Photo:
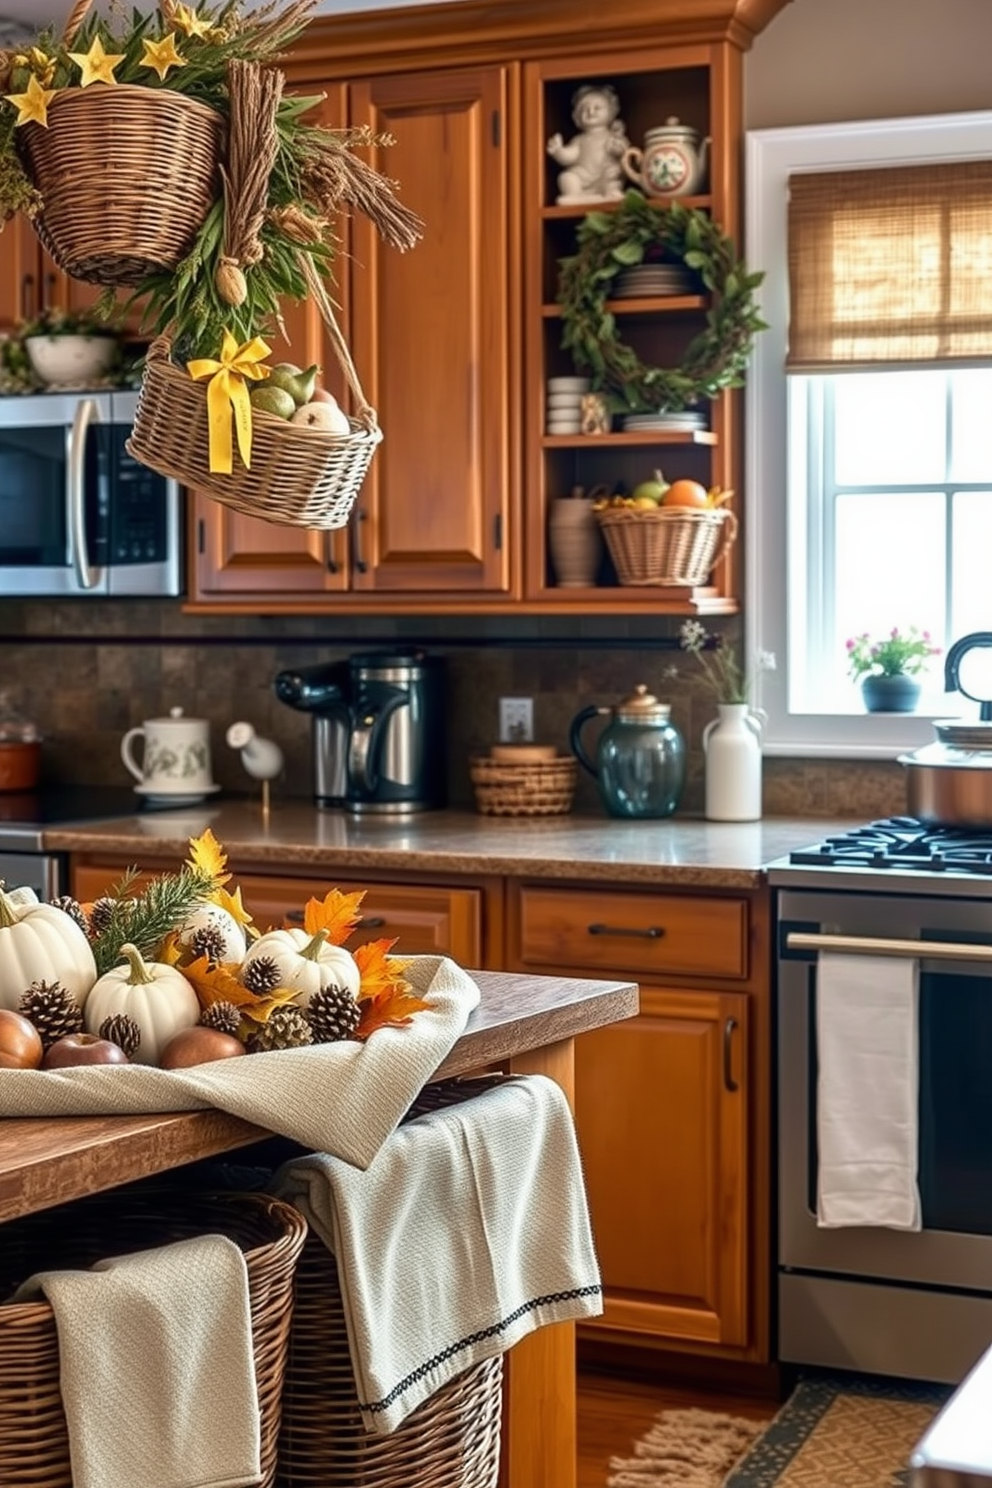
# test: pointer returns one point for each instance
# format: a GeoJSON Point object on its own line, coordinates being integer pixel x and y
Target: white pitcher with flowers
{"type": "Point", "coordinates": [732, 740]}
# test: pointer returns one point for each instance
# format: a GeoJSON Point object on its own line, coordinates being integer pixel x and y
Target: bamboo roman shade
{"type": "Point", "coordinates": [890, 266]}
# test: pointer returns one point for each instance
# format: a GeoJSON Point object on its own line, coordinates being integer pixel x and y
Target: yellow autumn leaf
{"type": "Point", "coordinates": [216, 982]}
{"type": "Point", "coordinates": [232, 903]}
{"type": "Point", "coordinates": [260, 1007]}
{"type": "Point", "coordinates": [337, 913]}
{"type": "Point", "coordinates": [208, 857]}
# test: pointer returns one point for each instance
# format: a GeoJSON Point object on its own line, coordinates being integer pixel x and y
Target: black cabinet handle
{"type": "Point", "coordinates": [370, 922]}
{"type": "Point", "coordinates": [729, 1029]}
{"type": "Point", "coordinates": [356, 543]}
{"type": "Point", "coordinates": [27, 297]}
{"type": "Point", "coordinates": [651, 932]}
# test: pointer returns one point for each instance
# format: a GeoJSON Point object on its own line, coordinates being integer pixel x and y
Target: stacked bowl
{"type": "Point", "coordinates": [564, 413]}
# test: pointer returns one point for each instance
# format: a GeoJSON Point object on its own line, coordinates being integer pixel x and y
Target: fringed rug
{"type": "Point", "coordinates": [834, 1431]}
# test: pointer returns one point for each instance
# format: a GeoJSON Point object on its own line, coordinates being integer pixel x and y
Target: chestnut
{"type": "Point", "coordinates": [20, 1041]}
{"type": "Point", "coordinates": [82, 1048]}
{"type": "Point", "coordinates": [199, 1045]}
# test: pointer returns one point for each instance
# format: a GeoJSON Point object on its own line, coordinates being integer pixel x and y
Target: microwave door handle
{"type": "Point", "coordinates": [75, 493]}
{"type": "Point", "coordinates": [866, 945]}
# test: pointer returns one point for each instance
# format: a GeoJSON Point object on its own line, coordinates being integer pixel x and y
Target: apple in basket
{"type": "Point", "coordinates": [20, 1041]}
{"type": "Point", "coordinates": [82, 1048]}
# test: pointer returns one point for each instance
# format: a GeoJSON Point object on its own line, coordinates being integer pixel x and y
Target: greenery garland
{"type": "Point", "coordinates": [609, 243]}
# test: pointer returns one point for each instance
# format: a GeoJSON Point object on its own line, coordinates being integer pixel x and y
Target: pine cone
{"type": "Point", "coordinates": [223, 1016]}
{"type": "Point", "coordinates": [334, 1014]}
{"type": "Point", "coordinates": [74, 910]}
{"type": "Point", "coordinates": [100, 915]}
{"type": "Point", "coordinates": [52, 1009]}
{"type": "Point", "coordinates": [287, 1028]}
{"type": "Point", "coordinates": [260, 975]}
{"type": "Point", "coordinates": [208, 941]}
{"type": "Point", "coordinates": [122, 1030]}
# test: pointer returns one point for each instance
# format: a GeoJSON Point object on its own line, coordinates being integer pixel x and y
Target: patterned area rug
{"type": "Point", "coordinates": [834, 1431]}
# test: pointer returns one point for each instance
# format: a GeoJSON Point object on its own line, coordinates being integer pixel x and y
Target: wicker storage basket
{"type": "Point", "coordinates": [537, 788]}
{"type": "Point", "coordinates": [675, 547]}
{"type": "Point", "coordinates": [34, 1444]}
{"type": "Point", "coordinates": [127, 176]}
{"type": "Point", "coordinates": [452, 1440]}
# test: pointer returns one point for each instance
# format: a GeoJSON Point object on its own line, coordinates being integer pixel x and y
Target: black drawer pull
{"type": "Point", "coordinates": [370, 922]}
{"type": "Point", "coordinates": [652, 932]}
{"type": "Point", "coordinates": [729, 1029]}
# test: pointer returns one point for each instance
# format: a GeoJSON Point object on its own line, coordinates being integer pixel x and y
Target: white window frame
{"type": "Point", "coordinates": [771, 156]}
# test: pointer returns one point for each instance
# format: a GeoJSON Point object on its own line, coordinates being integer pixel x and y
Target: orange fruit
{"type": "Point", "coordinates": [685, 493]}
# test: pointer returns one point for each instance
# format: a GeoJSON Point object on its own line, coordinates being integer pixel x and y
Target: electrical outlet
{"type": "Point", "coordinates": [516, 720]}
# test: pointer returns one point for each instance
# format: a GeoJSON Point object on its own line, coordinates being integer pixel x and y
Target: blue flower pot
{"type": "Point", "coordinates": [890, 694]}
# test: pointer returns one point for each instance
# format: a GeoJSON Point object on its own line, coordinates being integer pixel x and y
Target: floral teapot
{"type": "Point", "coordinates": [672, 163]}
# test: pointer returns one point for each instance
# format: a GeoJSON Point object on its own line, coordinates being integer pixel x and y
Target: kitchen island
{"type": "Point", "coordinates": [524, 1024]}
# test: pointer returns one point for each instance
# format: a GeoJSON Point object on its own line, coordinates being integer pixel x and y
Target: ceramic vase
{"type": "Point", "coordinates": [890, 694]}
{"type": "Point", "coordinates": [574, 542]}
{"type": "Point", "coordinates": [732, 746]}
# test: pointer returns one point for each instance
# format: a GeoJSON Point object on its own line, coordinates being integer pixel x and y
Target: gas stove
{"type": "Point", "coordinates": [904, 851]}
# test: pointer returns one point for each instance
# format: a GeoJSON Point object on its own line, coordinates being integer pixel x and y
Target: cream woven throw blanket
{"type": "Point", "coordinates": [345, 1098]}
{"type": "Point", "coordinates": [157, 1371]}
{"type": "Point", "coordinates": [468, 1231]}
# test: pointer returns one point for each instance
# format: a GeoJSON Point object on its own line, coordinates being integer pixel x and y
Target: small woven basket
{"type": "Point", "coordinates": [676, 547]}
{"type": "Point", "coordinates": [527, 788]}
{"type": "Point", "coordinates": [34, 1443]}
{"type": "Point", "coordinates": [452, 1440]}
{"type": "Point", "coordinates": [127, 176]}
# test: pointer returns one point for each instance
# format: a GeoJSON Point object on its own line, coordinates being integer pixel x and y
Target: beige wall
{"type": "Point", "coordinates": [821, 61]}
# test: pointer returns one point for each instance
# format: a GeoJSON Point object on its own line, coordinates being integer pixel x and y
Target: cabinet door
{"type": "Point", "coordinates": [661, 1104]}
{"type": "Point", "coordinates": [430, 330]}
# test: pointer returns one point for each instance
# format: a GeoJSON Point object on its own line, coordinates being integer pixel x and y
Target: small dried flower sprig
{"type": "Point", "coordinates": [899, 654]}
{"type": "Point", "coordinates": [723, 674]}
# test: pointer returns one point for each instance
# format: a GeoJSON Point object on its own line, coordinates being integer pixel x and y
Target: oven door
{"type": "Point", "coordinates": [55, 485]}
{"type": "Point", "coordinates": [954, 1248]}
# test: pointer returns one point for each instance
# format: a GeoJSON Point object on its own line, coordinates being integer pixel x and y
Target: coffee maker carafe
{"type": "Point", "coordinates": [378, 730]}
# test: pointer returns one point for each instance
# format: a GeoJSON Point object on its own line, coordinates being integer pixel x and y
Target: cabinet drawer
{"type": "Point", "coordinates": [650, 935]}
{"type": "Point", "coordinates": [423, 920]}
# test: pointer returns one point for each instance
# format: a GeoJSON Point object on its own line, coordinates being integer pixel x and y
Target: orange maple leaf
{"type": "Point", "coordinates": [393, 1007]}
{"type": "Point", "coordinates": [216, 982]}
{"type": "Point", "coordinates": [379, 970]}
{"type": "Point", "coordinates": [207, 855]}
{"type": "Point", "coordinates": [336, 913]}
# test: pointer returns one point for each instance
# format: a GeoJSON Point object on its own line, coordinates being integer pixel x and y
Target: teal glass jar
{"type": "Point", "coordinates": [639, 766]}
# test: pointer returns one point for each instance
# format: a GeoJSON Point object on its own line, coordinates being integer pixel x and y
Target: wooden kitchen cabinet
{"type": "Point", "coordinates": [454, 340]}
{"type": "Point", "coordinates": [671, 1109]}
{"type": "Point", "coordinates": [429, 332]}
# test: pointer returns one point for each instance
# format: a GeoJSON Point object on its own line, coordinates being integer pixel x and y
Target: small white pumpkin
{"type": "Point", "coordinates": [158, 997]}
{"type": "Point", "coordinates": [307, 963]}
{"type": "Point", "coordinates": [40, 942]}
{"type": "Point", "coordinates": [216, 917]}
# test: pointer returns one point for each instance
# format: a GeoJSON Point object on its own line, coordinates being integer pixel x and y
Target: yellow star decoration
{"type": "Point", "coordinates": [161, 55]}
{"type": "Point", "coordinates": [32, 105]}
{"type": "Point", "coordinates": [189, 23]}
{"type": "Point", "coordinates": [96, 65]}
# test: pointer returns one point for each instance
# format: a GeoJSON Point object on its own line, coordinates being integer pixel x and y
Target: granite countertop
{"type": "Point", "coordinates": [677, 850]}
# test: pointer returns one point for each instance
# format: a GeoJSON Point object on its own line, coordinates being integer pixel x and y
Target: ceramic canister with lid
{"type": "Point", "coordinates": [640, 756]}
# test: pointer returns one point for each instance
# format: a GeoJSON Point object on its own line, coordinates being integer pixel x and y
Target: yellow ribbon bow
{"type": "Point", "coordinates": [227, 396]}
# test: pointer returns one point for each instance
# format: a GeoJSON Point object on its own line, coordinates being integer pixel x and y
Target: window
{"type": "Point", "coordinates": [870, 491]}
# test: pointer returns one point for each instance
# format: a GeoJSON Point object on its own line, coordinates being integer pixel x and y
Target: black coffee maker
{"type": "Point", "coordinates": [378, 730]}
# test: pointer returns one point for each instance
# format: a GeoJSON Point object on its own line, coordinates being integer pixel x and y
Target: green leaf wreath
{"type": "Point", "coordinates": [609, 243]}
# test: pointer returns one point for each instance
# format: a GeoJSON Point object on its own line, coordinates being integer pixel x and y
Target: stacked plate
{"type": "Point", "coordinates": [648, 280]}
{"type": "Point", "coordinates": [668, 423]}
{"type": "Point", "coordinates": [564, 415]}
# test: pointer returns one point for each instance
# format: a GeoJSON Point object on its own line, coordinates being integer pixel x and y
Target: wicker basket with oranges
{"type": "Point", "coordinates": [667, 535]}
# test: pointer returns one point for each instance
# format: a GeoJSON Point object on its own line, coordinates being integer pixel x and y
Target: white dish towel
{"type": "Point", "coordinates": [157, 1372]}
{"type": "Point", "coordinates": [867, 1028]}
{"type": "Point", "coordinates": [469, 1230]}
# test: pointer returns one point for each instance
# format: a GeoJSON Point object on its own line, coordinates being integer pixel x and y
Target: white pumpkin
{"type": "Point", "coordinates": [158, 997]}
{"type": "Point", "coordinates": [216, 917]}
{"type": "Point", "coordinates": [40, 942]}
{"type": "Point", "coordinates": [307, 963]}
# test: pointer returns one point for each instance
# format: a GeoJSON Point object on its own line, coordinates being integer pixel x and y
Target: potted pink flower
{"type": "Point", "coordinates": [888, 668]}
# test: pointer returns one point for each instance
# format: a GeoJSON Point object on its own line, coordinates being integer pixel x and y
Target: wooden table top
{"type": "Point", "coordinates": [44, 1162]}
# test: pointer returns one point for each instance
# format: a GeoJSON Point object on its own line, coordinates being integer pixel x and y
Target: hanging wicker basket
{"type": "Point", "coordinates": [127, 176]}
{"type": "Point", "coordinates": [678, 547]}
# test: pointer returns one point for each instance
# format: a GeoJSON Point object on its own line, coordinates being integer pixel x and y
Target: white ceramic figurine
{"type": "Point", "coordinates": [592, 157]}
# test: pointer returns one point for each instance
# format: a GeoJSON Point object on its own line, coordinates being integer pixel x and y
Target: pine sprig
{"type": "Point", "coordinates": [145, 919]}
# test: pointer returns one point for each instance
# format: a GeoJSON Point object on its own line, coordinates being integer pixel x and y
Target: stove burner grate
{"type": "Point", "coordinates": [902, 842]}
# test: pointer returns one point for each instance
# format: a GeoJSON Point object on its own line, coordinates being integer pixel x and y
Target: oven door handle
{"type": "Point", "coordinates": [865, 945]}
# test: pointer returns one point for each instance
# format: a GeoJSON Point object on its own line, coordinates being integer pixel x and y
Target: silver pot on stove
{"type": "Point", "coordinates": [949, 781]}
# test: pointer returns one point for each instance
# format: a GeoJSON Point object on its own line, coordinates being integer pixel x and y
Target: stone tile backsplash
{"type": "Point", "coordinates": [86, 672]}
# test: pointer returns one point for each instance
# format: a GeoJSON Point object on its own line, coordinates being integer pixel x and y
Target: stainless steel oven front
{"type": "Point", "coordinates": [912, 1304]}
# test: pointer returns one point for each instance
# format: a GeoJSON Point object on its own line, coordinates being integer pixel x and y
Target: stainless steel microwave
{"type": "Point", "coordinates": [78, 515]}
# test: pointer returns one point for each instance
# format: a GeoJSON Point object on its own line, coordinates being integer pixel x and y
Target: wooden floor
{"type": "Point", "coordinates": [614, 1413]}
